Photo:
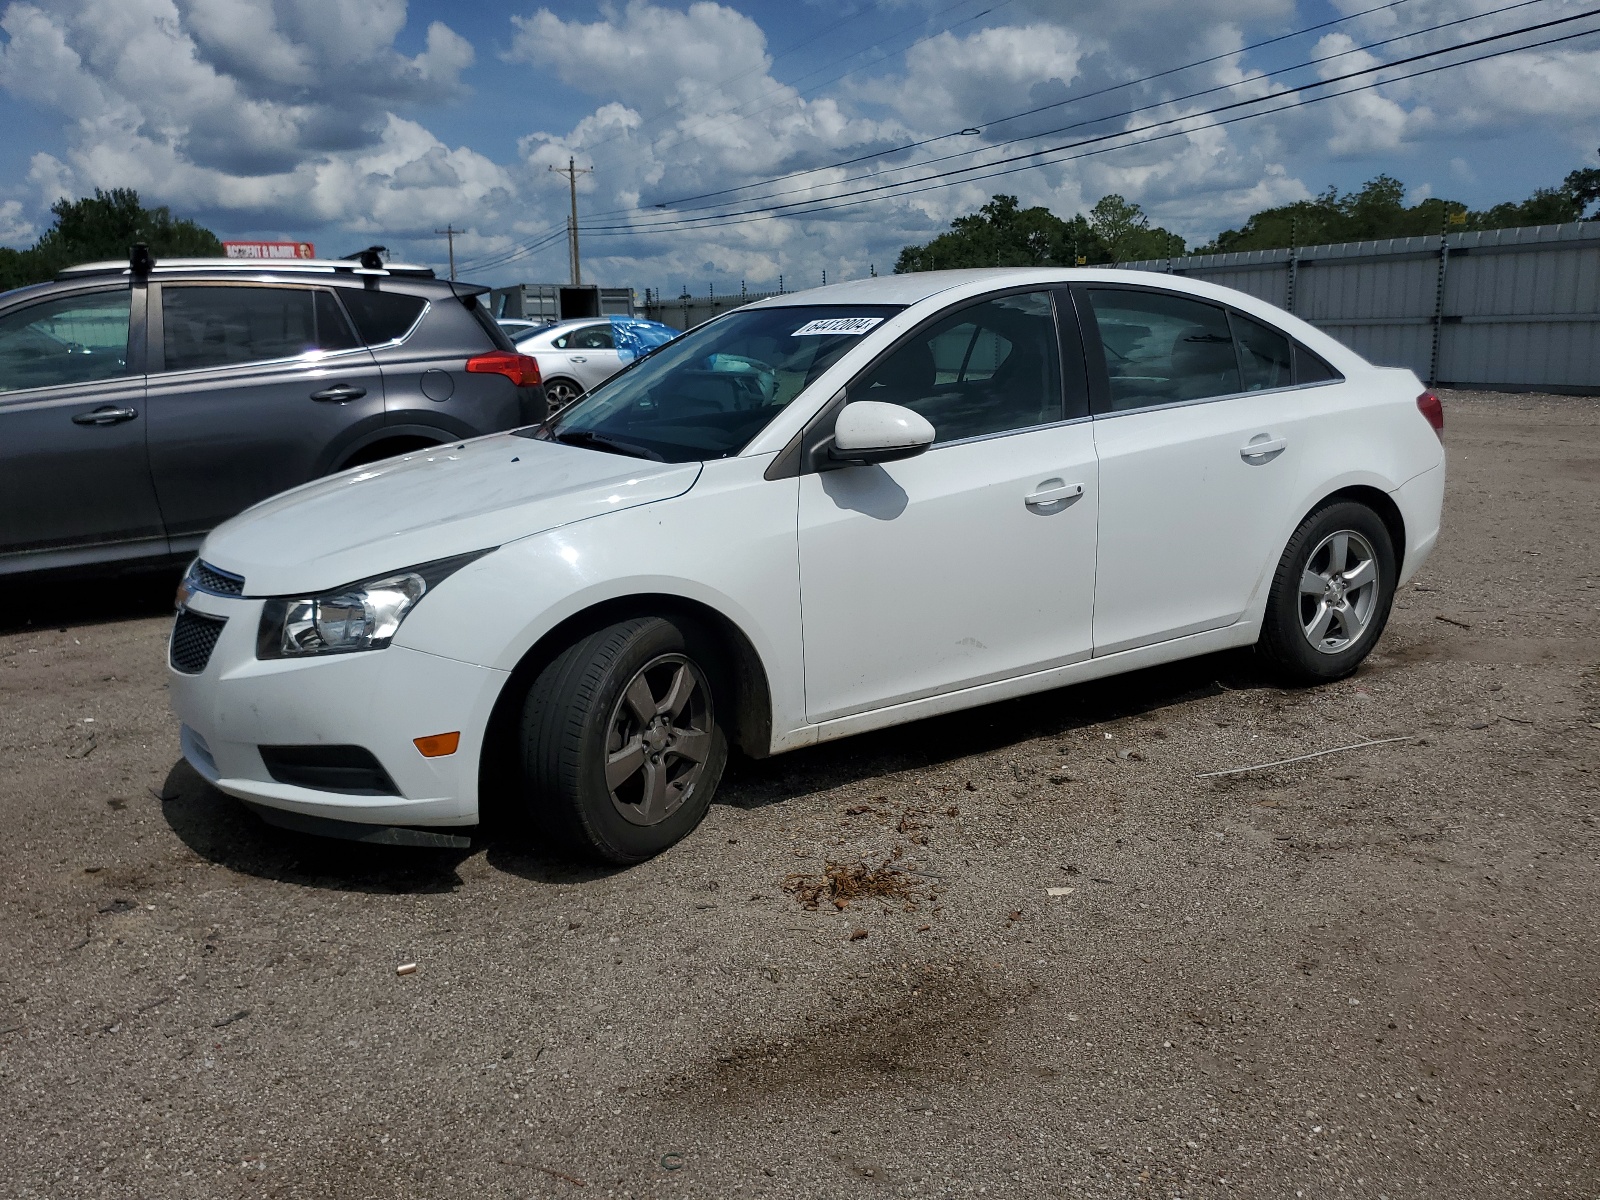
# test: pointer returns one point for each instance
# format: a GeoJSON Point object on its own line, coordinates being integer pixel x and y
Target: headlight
{"type": "Point", "coordinates": [361, 616]}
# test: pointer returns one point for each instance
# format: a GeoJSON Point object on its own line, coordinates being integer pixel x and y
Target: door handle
{"type": "Point", "coordinates": [1257, 452]}
{"type": "Point", "coordinates": [339, 393]}
{"type": "Point", "coordinates": [106, 414]}
{"type": "Point", "coordinates": [1060, 493]}
{"type": "Point", "coordinates": [579, 358]}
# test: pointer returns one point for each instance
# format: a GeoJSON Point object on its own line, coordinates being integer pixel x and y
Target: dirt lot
{"type": "Point", "coordinates": [1367, 974]}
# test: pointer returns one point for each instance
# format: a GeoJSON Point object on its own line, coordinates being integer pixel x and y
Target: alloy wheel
{"type": "Point", "coordinates": [1338, 591]}
{"type": "Point", "coordinates": [658, 739]}
{"type": "Point", "coordinates": [560, 393]}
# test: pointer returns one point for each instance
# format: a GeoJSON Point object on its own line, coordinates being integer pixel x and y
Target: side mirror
{"type": "Point", "coordinates": [870, 431]}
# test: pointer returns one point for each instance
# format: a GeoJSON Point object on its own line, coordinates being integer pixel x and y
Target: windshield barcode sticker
{"type": "Point", "coordinates": [848, 326]}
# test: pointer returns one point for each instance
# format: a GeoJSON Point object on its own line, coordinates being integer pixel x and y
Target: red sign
{"type": "Point", "coordinates": [269, 249]}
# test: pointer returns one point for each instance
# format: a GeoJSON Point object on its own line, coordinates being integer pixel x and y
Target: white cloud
{"type": "Point", "coordinates": [15, 228]}
{"type": "Point", "coordinates": [254, 107]}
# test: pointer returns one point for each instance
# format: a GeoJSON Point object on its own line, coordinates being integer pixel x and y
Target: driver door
{"type": "Point", "coordinates": [74, 475]}
{"type": "Point", "coordinates": [974, 561]}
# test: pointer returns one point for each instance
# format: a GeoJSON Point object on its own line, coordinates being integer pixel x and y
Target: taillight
{"type": "Point", "coordinates": [521, 369]}
{"type": "Point", "coordinates": [1429, 406]}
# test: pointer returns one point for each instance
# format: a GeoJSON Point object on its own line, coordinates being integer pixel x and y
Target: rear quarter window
{"type": "Point", "coordinates": [382, 317]}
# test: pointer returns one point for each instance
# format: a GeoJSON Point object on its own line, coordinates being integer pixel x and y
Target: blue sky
{"type": "Point", "coordinates": [354, 121]}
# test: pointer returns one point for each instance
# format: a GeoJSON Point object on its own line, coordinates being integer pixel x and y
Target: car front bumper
{"type": "Point", "coordinates": [379, 700]}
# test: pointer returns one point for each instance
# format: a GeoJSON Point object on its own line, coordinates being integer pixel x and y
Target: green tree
{"type": "Point", "coordinates": [1003, 234]}
{"type": "Point", "coordinates": [1379, 210]}
{"type": "Point", "coordinates": [104, 226]}
{"type": "Point", "coordinates": [1582, 187]}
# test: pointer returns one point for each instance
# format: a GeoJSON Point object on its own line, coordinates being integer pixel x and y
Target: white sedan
{"type": "Point", "coordinates": [575, 357]}
{"type": "Point", "coordinates": [824, 513]}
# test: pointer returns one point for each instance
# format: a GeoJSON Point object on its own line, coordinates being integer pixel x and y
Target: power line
{"type": "Point", "coordinates": [948, 178]}
{"type": "Point", "coordinates": [978, 129]}
{"type": "Point", "coordinates": [819, 207]}
{"type": "Point", "coordinates": [1112, 116]}
{"type": "Point", "coordinates": [538, 240]}
{"type": "Point", "coordinates": [690, 222]}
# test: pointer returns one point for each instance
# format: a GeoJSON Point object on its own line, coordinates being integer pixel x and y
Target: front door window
{"type": "Point", "coordinates": [75, 339]}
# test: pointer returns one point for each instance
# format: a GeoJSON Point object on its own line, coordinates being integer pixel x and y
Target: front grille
{"type": "Point", "coordinates": [349, 769]}
{"type": "Point", "coordinates": [208, 579]}
{"type": "Point", "coordinates": [194, 636]}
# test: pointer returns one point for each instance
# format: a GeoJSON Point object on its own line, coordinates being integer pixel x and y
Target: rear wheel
{"type": "Point", "coordinates": [621, 746]}
{"type": "Point", "coordinates": [561, 392]}
{"type": "Point", "coordinates": [1331, 594]}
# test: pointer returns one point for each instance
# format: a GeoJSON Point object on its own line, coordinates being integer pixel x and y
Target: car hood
{"type": "Point", "coordinates": [432, 504]}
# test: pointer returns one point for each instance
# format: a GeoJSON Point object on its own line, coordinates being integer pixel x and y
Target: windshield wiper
{"type": "Point", "coordinates": [610, 445]}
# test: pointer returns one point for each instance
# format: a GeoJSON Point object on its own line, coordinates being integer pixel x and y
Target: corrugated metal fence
{"type": "Point", "coordinates": [685, 312]}
{"type": "Point", "coordinates": [1503, 308]}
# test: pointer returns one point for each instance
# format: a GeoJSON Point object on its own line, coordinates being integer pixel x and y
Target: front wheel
{"type": "Point", "coordinates": [621, 744]}
{"type": "Point", "coordinates": [1331, 594]}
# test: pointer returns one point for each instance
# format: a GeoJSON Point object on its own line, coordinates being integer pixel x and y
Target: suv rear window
{"type": "Point", "coordinates": [382, 316]}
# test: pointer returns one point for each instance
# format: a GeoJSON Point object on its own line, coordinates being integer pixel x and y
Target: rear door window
{"type": "Point", "coordinates": [1161, 348]}
{"type": "Point", "coordinates": [72, 339]}
{"type": "Point", "coordinates": [205, 326]}
{"type": "Point", "coordinates": [595, 337]}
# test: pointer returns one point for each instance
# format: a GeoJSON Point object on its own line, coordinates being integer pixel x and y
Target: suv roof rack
{"type": "Point", "coordinates": [300, 266]}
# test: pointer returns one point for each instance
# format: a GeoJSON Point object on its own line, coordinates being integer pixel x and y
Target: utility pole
{"type": "Point", "coordinates": [450, 231]}
{"type": "Point", "coordinates": [572, 171]}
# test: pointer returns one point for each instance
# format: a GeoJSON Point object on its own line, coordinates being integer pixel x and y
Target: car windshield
{"type": "Point", "coordinates": [707, 393]}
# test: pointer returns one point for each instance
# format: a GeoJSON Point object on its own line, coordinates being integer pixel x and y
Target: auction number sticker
{"type": "Point", "coordinates": [848, 326]}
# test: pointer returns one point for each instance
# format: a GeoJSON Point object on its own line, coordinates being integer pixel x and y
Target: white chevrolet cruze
{"type": "Point", "coordinates": [821, 514]}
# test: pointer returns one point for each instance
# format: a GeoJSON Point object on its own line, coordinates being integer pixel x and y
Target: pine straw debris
{"type": "Point", "coordinates": [842, 883]}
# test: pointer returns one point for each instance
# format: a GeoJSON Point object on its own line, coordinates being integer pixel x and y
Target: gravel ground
{"type": "Point", "coordinates": [1367, 974]}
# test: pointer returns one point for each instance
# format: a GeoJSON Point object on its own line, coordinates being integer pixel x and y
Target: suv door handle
{"type": "Point", "coordinates": [1060, 493]}
{"type": "Point", "coordinates": [106, 414]}
{"type": "Point", "coordinates": [1257, 452]}
{"type": "Point", "coordinates": [339, 393]}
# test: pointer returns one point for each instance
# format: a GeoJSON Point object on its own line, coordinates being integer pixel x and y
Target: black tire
{"type": "Point", "coordinates": [561, 391]}
{"type": "Point", "coordinates": [580, 703]}
{"type": "Point", "coordinates": [1286, 642]}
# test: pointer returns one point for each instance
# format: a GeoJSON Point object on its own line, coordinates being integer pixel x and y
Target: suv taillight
{"type": "Point", "coordinates": [1429, 406]}
{"type": "Point", "coordinates": [521, 369]}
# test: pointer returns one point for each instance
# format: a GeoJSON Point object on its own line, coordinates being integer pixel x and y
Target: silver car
{"type": "Point", "coordinates": [578, 356]}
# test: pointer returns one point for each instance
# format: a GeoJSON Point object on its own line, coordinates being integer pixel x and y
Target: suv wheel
{"type": "Point", "coordinates": [621, 749]}
{"type": "Point", "coordinates": [1331, 594]}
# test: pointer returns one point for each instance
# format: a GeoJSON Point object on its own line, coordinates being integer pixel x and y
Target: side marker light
{"type": "Point", "coordinates": [438, 745]}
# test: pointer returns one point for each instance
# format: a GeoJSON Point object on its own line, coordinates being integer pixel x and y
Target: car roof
{"type": "Point", "coordinates": [917, 286]}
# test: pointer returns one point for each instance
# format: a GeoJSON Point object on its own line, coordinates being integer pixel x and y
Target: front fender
{"type": "Point", "coordinates": [729, 544]}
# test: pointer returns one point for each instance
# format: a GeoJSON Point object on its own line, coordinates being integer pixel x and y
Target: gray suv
{"type": "Point", "coordinates": [143, 403]}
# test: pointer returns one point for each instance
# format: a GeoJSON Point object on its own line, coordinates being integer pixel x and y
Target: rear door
{"type": "Point", "coordinates": [587, 354]}
{"type": "Point", "coordinates": [74, 478]}
{"type": "Point", "coordinates": [253, 390]}
{"type": "Point", "coordinates": [1200, 441]}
